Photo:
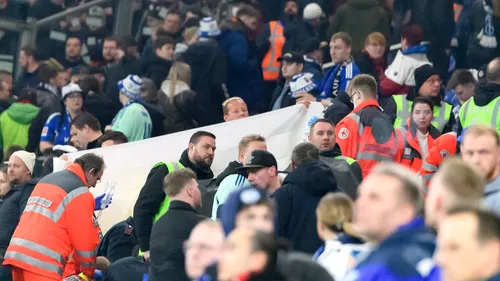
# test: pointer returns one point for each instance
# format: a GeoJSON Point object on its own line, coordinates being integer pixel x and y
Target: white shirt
{"type": "Point", "coordinates": [335, 257]}
{"type": "Point", "coordinates": [422, 142]}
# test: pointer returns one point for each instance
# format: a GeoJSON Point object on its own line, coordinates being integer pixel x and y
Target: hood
{"type": "Point", "coordinates": [485, 93]}
{"type": "Point", "coordinates": [417, 49]}
{"type": "Point", "coordinates": [198, 51]}
{"type": "Point", "coordinates": [231, 170]}
{"type": "Point", "coordinates": [363, 4]}
{"type": "Point", "coordinates": [201, 172]}
{"type": "Point", "coordinates": [332, 153]}
{"type": "Point", "coordinates": [22, 113]}
{"type": "Point", "coordinates": [315, 177]}
{"type": "Point", "coordinates": [152, 63]}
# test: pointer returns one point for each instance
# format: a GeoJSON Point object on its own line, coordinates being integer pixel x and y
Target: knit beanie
{"type": "Point", "coordinates": [422, 74]}
{"type": "Point", "coordinates": [28, 159]}
{"type": "Point", "coordinates": [312, 11]}
{"type": "Point", "coordinates": [131, 87]}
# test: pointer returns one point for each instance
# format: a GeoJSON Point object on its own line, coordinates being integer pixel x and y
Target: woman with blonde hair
{"type": "Point", "coordinates": [334, 215]}
{"type": "Point", "coordinates": [180, 104]}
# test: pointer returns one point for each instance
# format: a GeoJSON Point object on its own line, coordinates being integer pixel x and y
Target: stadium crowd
{"type": "Point", "coordinates": [399, 178]}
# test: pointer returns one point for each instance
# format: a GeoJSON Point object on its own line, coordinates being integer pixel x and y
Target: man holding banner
{"type": "Point", "coordinates": [152, 202]}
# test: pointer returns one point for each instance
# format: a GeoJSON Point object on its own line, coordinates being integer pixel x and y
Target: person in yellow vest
{"type": "Point", "coordinates": [270, 43]}
{"type": "Point", "coordinates": [484, 106]}
{"type": "Point", "coordinates": [152, 202]}
{"type": "Point", "coordinates": [427, 84]}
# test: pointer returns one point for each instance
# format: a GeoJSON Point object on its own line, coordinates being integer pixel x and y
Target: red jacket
{"type": "Point", "coordinates": [57, 221]}
{"type": "Point", "coordinates": [442, 147]}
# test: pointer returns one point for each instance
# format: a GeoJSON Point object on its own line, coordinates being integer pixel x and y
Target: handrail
{"type": "Point", "coordinates": [70, 11]}
{"type": "Point", "coordinates": [13, 24]}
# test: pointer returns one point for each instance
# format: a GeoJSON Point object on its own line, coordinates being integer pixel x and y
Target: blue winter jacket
{"type": "Point", "coordinates": [244, 75]}
{"type": "Point", "coordinates": [406, 255]}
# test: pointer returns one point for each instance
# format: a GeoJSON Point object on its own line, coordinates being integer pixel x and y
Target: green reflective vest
{"type": "Point", "coordinates": [349, 160]}
{"type": "Point", "coordinates": [403, 107]}
{"type": "Point", "coordinates": [171, 166]}
{"type": "Point", "coordinates": [471, 114]}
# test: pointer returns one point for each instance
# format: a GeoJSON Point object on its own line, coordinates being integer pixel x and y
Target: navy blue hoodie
{"type": "Point", "coordinates": [297, 200]}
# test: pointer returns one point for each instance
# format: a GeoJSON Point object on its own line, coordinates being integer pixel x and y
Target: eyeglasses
{"type": "Point", "coordinates": [352, 96]}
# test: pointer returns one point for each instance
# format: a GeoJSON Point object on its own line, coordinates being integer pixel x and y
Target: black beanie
{"type": "Point", "coordinates": [422, 74]}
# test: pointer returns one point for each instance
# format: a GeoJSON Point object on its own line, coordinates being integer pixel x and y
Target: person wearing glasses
{"type": "Point", "coordinates": [427, 84]}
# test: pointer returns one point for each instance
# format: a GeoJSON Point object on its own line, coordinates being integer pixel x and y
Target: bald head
{"type": "Point", "coordinates": [493, 71]}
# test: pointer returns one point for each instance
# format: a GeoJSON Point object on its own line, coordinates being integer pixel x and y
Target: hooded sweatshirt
{"type": "Point", "coordinates": [297, 200]}
{"type": "Point", "coordinates": [229, 181]}
{"type": "Point", "coordinates": [15, 123]}
{"type": "Point", "coordinates": [491, 197]}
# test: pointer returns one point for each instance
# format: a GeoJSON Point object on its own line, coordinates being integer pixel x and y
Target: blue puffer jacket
{"type": "Point", "coordinates": [406, 255]}
{"type": "Point", "coordinates": [244, 75]}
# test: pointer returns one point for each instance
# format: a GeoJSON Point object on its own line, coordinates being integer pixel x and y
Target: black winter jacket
{"type": "Point", "coordinates": [156, 69]}
{"type": "Point", "coordinates": [11, 208]}
{"type": "Point", "coordinates": [297, 200]}
{"type": "Point", "coordinates": [182, 114]}
{"type": "Point", "coordinates": [151, 196]}
{"type": "Point", "coordinates": [167, 238]}
{"type": "Point", "coordinates": [340, 108]}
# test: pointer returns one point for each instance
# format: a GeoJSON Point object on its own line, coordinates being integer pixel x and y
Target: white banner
{"type": "Point", "coordinates": [129, 164]}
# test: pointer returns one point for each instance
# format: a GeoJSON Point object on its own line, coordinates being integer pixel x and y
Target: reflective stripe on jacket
{"type": "Point", "coordinates": [270, 65]}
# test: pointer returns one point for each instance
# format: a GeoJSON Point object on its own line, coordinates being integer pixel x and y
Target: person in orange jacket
{"type": "Point", "coordinates": [444, 146]}
{"type": "Point", "coordinates": [367, 134]}
{"type": "Point", "coordinates": [418, 134]}
{"type": "Point", "coordinates": [57, 221]}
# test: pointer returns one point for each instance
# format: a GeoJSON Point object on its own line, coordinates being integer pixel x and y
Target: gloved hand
{"type": "Point", "coordinates": [98, 202]}
{"type": "Point", "coordinates": [98, 275]}
{"type": "Point", "coordinates": [312, 120]}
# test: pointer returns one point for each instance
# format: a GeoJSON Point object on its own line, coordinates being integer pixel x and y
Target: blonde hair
{"type": "Point", "coordinates": [375, 38]}
{"type": "Point", "coordinates": [179, 71]}
{"type": "Point", "coordinates": [482, 130]}
{"type": "Point", "coordinates": [228, 101]}
{"type": "Point", "coordinates": [189, 34]}
{"type": "Point", "coordinates": [336, 211]}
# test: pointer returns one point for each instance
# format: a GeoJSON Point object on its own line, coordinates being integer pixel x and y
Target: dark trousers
{"type": "Point", "coordinates": [5, 272]}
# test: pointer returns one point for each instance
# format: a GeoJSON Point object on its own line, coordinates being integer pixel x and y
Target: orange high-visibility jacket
{"type": "Point", "coordinates": [368, 136]}
{"type": "Point", "coordinates": [444, 146]}
{"type": "Point", "coordinates": [270, 64]}
{"type": "Point", "coordinates": [412, 156]}
{"type": "Point", "coordinates": [57, 220]}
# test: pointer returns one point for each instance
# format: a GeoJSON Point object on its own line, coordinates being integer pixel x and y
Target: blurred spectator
{"type": "Point", "coordinates": [150, 101]}
{"type": "Point", "coordinates": [428, 84]}
{"type": "Point", "coordinates": [343, 70]}
{"type": "Point", "coordinates": [209, 68]}
{"type": "Point", "coordinates": [234, 108]}
{"type": "Point", "coordinates": [133, 120]}
{"type": "Point", "coordinates": [57, 128]}
{"type": "Point", "coordinates": [6, 77]}
{"type": "Point", "coordinates": [173, 23]}
{"type": "Point", "coordinates": [299, 196]}
{"type": "Point", "coordinates": [463, 83]}
{"type": "Point", "coordinates": [335, 214]}
{"type": "Point", "coordinates": [5, 186]}
{"type": "Point", "coordinates": [50, 36]}
{"type": "Point", "coordinates": [250, 253]}
{"type": "Point", "coordinates": [109, 53]}
{"type": "Point", "coordinates": [418, 134]}
{"type": "Point", "coordinates": [85, 131]}
{"type": "Point", "coordinates": [190, 36]}
{"type": "Point", "coordinates": [5, 97]}
{"type": "Point", "coordinates": [399, 76]}
{"type": "Point", "coordinates": [311, 25]}
{"type": "Point", "coordinates": [480, 148]}
{"type": "Point", "coordinates": [372, 60]}
{"type": "Point", "coordinates": [244, 74]}
{"type": "Point", "coordinates": [388, 213]}
{"type": "Point", "coordinates": [167, 236]}
{"type": "Point", "coordinates": [16, 120]}
{"type": "Point", "coordinates": [484, 33]}
{"type": "Point", "coordinates": [472, 252]}
{"type": "Point", "coordinates": [73, 53]}
{"type": "Point", "coordinates": [9, 152]}
{"type": "Point", "coordinates": [203, 248]}
{"type": "Point", "coordinates": [119, 241]}
{"type": "Point", "coordinates": [29, 59]}
{"type": "Point", "coordinates": [9, 9]}
{"type": "Point", "coordinates": [455, 184]}
{"type": "Point", "coordinates": [289, 19]}
{"type": "Point", "coordinates": [359, 18]}
{"type": "Point", "coordinates": [20, 174]}
{"type": "Point", "coordinates": [96, 102]}
{"type": "Point", "coordinates": [158, 67]}
{"type": "Point", "coordinates": [262, 171]}
{"type": "Point", "coordinates": [250, 208]}
{"type": "Point", "coordinates": [292, 64]}
{"type": "Point", "coordinates": [232, 179]}
{"type": "Point", "coordinates": [313, 59]}
{"type": "Point", "coordinates": [346, 170]}
{"type": "Point", "coordinates": [483, 107]}
{"type": "Point", "coordinates": [111, 138]}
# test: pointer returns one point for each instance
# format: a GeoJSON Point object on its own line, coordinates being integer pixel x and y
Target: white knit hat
{"type": "Point", "coordinates": [71, 88]}
{"type": "Point", "coordinates": [131, 87]}
{"type": "Point", "coordinates": [208, 28]}
{"type": "Point", "coordinates": [312, 11]}
{"type": "Point", "coordinates": [28, 159]}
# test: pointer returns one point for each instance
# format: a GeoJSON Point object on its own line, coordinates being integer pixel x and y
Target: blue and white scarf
{"type": "Point", "coordinates": [487, 37]}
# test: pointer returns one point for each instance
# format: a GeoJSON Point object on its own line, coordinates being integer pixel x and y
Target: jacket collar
{"type": "Point", "coordinates": [365, 104]}
{"type": "Point", "coordinates": [77, 169]}
{"type": "Point", "coordinates": [181, 205]}
{"type": "Point", "coordinates": [412, 128]}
